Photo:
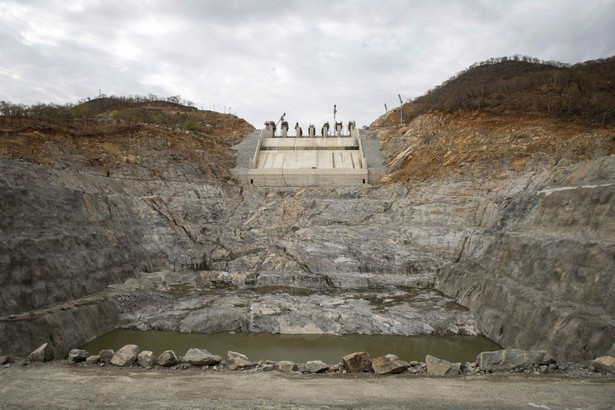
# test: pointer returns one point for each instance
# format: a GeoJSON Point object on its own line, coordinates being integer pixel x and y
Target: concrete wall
{"type": "Point", "coordinates": [309, 143]}
{"type": "Point", "coordinates": [294, 170]}
{"type": "Point", "coordinates": [307, 177]}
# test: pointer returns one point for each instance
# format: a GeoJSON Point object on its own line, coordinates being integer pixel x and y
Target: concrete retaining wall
{"type": "Point", "coordinates": [307, 177]}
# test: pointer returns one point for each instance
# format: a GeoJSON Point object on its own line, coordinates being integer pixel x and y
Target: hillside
{"type": "Point", "coordinates": [120, 138]}
{"type": "Point", "coordinates": [584, 92]}
{"type": "Point", "coordinates": [478, 144]}
{"type": "Point", "coordinates": [500, 119]}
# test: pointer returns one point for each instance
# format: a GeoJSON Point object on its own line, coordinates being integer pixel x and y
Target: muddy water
{"type": "Point", "coordinates": [299, 348]}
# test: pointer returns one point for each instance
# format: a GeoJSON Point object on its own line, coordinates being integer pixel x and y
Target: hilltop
{"type": "Point", "coordinates": [124, 137]}
{"type": "Point", "coordinates": [583, 92]}
{"type": "Point", "coordinates": [503, 117]}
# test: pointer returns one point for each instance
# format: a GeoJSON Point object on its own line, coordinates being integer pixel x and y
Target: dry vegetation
{"type": "Point", "coordinates": [479, 144]}
{"type": "Point", "coordinates": [503, 117]}
{"type": "Point", "coordinates": [116, 137]}
{"type": "Point", "coordinates": [583, 92]}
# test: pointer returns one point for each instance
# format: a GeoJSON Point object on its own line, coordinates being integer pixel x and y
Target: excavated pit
{"type": "Point", "coordinates": [196, 258]}
{"type": "Point", "coordinates": [188, 309]}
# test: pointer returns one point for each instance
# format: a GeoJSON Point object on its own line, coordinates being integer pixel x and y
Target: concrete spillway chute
{"type": "Point", "coordinates": [335, 159]}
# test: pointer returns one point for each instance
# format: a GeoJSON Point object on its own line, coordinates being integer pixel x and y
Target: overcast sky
{"type": "Point", "coordinates": [262, 58]}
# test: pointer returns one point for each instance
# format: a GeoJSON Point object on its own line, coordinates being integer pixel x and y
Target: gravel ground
{"type": "Point", "coordinates": [59, 385]}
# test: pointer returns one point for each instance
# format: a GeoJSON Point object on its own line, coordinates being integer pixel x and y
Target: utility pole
{"type": "Point", "coordinates": [401, 111]}
{"type": "Point", "coordinates": [386, 109]}
{"type": "Point", "coordinates": [334, 112]}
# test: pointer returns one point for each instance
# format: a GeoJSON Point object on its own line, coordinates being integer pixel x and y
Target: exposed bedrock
{"type": "Point", "coordinates": [531, 256]}
{"type": "Point", "coordinates": [547, 279]}
{"type": "Point", "coordinates": [64, 235]}
{"type": "Point", "coordinates": [63, 327]}
{"type": "Point", "coordinates": [200, 302]}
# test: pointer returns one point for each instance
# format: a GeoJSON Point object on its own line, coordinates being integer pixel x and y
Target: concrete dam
{"type": "Point", "coordinates": [342, 159]}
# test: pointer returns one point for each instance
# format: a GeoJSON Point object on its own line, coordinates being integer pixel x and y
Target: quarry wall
{"type": "Point", "coordinates": [534, 275]}
{"type": "Point", "coordinates": [68, 234]}
{"type": "Point", "coordinates": [547, 278]}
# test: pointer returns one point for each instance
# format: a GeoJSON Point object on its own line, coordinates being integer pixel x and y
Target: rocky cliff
{"type": "Point", "coordinates": [529, 250]}
{"type": "Point", "coordinates": [546, 277]}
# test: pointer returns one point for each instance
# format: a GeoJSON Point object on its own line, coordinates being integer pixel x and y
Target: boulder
{"type": "Point", "coordinates": [441, 367]}
{"type": "Point", "coordinates": [201, 357]}
{"type": "Point", "coordinates": [264, 362]}
{"type": "Point", "coordinates": [92, 360]}
{"type": "Point", "coordinates": [357, 362]}
{"type": "Point", "coordinates": [146, 359]}
{"type": "Point", "coordinates": [106, 355]}
{"type": "Point", "coordinates": [167, 358]}
{"type": "Point", "coordinates": [126, 356]}
{"type": "Point", "coordinates": [316, 366]}
{"type": "Point", "coordinates": [469, 368]}
{"type": "Point", "coordinates": [42, 354]}
{"type": "Point", "coordinates": [509, 359]}
{"type": "Point", "coordinates": [6, 360]}
{"type": "Point", "coordinates": [77, 355]}
{"type": "Point", "coordinates": [286, 366]}
{"type": "Point", "coordinates": [604, 364]}
{"type": "Point", "coordinates": [237, 361]}
{"type": "Point", "coordinates": [389, 364]}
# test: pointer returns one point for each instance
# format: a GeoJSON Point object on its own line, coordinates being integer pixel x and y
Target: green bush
{"type": "Point", "coordinates": [190, 125]}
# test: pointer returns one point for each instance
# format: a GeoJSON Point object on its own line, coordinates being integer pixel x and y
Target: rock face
{"type": "Point", "coordinates": [604, 364]}
{"type": "Point", "coordinates": [82, 245]}
{"type": "Point", "coordinates": [357, 362]}
{"type": "Point", "coordinates": [509, 359]}
{"type": "Point", "coordinates": [146, 359]}
{"type": "Point", "coordinates": [290, 310]}
{"type": "Point", "coordinates": [200, 357]}
{"type": "Point", "coordinates": [126, 356]}
{"type": "Point", "coordinates": [42, 354]}
{"type": "Point", "coordinates": [167, 358]}
{"type": "Point", "coordinates": [389, 365]}
{"type": "Point", "coordinates": [93, 316]}
{"type": "Point", "coordinates": [530, 256]}
{"type": "Point", "coordinates": [544, 279]}
{"type": "Point", "coordinates": [440, 367]}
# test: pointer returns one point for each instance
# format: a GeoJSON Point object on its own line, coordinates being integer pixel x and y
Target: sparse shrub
{"type": "Point", "coordinates": [190, 125]}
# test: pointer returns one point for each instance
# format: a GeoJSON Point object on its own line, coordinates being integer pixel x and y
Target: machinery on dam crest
{"type": "Point", "coordinates": [333, 158]}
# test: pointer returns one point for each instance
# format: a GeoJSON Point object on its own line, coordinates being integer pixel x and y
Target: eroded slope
{"type": "Point", "coordinates": [476, 144]}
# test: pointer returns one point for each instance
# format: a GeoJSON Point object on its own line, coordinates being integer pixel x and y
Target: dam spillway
{"type": "Point", "coordinates": [308, 160]}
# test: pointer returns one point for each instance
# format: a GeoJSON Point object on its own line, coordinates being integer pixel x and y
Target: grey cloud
{"type": "Point", "coordinates": [266, 57]}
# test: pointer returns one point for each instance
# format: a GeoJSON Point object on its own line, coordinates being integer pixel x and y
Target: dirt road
{"type": "Point", "coordinates": [62, 386]}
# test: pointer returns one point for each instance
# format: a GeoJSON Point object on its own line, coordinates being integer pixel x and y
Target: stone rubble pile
{"type": "Point", "coordinates": [506, 360]}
